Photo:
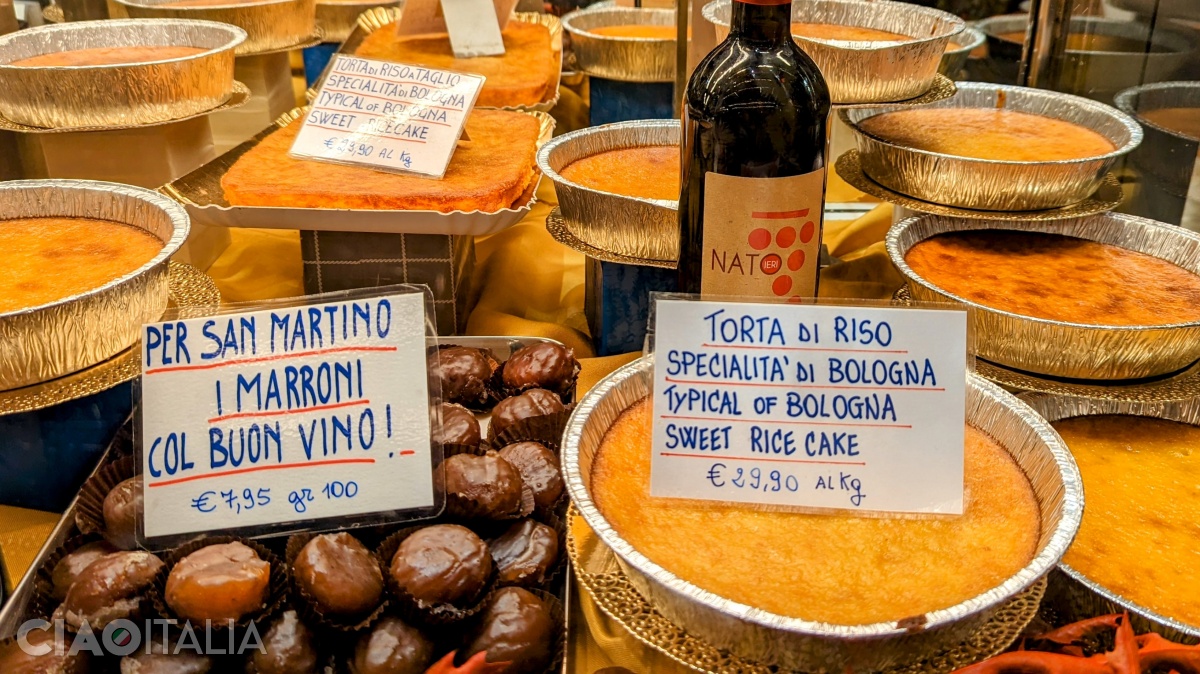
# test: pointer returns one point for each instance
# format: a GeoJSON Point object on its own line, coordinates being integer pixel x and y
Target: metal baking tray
{"type": "Point", "coordinates": [269, 24]}
{"type": "Point", "coordinates": [1073, 596]}
{"type": "Point", "coordinates": [627, 59]}
{"type": "Point", "coordinates": [1057, 348]}
{"type": "Point", "coordinates": [201, 194]}
{"type": "Point", "coordinates": [48, 341]}
{"type": "Point", "coordinates": [994, 185]}
{"type": "Point", "coordinates": [817, 647]}
{"type": "Point", "coordinates": [866, 71]}
{"type": "Point", "coordinates": [61, 97]}
{"type": "Point", "coordinates": [630, 226]}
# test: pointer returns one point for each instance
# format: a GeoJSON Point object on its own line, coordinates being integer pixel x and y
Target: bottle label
{"type": "Point", "coordinates": [762, 236]}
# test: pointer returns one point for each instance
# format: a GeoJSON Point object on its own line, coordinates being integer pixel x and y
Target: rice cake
{"type": "Point", "coordinates": [524, 75]}
{"type": "Point", "coordinates": [648, 172]}
{"type": "Point", "coordinates": [108, 56]}
{"type": "Point", "coordinates": [490, 172]}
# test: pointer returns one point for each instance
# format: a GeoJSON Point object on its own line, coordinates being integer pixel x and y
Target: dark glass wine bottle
{"type": "Point", "coordinates": [753, 146]}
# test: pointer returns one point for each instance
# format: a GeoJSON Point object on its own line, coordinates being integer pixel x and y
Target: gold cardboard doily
{"type": "Point", "coordinates": [1181, 385]}
{"type": "Point", "coordinates": [942, 88]}
{"type": "Point", "coordinates": [599, 575]}
{"type": "Point", "coordinates": [239, 97]}
{"type": "Point", "coordinates": [188, 287]}
{"type": "Point", "coordinates": [1106, 198]}
{"type": "Point", "coordinates": [558, 229]}
{"type": "Point", "coordinates": [54, 14]}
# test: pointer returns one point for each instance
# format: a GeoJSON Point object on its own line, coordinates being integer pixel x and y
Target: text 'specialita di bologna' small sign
{"type": "Point", "coordinates": [387, 116]}
{"type": "Point", "coordinates": [285, 415]}
{"type": "Point", "coordinates": [810, 406]}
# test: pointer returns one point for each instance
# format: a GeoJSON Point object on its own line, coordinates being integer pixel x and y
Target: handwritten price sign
{"type": "Point", "coordinates": [810, 406]}
{"type": "Point", "coordinates": [285, 415]}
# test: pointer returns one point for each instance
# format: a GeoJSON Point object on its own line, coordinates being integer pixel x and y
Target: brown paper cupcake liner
{"type": "Point", "coordinates": [89, 509]}
{"type": "Point", "coordinates": [565, 389]}
{"type": "Point", "coordinates": [277, 589]}
{"type": "Point", "coordinates": [553, 575]}
{"type": "Point", "coordinates": [80, 664]}
{"type": "Point", "coordinates": [307, 607]}
{"type": "Point", "coordinates": [489, 399]}
{"type": "Point", "coordinates": [329, 646]}
{"type": "Point", "coordinates": [455, 449]}
{"type": "Point", "coordinates": [43, 602]}
{"type": "Point", "coordinates": [122, 443]}
{"type": "Point", "coordinates": [408, 608]}
{"type": "Point", "coordinates": [546, 429]}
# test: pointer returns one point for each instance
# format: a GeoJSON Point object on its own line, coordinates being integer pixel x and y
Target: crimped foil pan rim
{"type": "Point", "coordinates": [1039, 402]}
{"type": "Point", "coordinates": [893, 245]}
{"type": "Point", "coordinates": [1130, 124]}
{"type": "Point", "coordinates": [543, 157]}
{"type": "Point", "coordinates": [710, 10]}
{"type": "Point", "coordinates": [1126, 100]}
{"type": "Point", "coordinates": [231, 5]}
{"type": "Point", "coordinates": [1157, 34]}
{"type": "Point", "coordinates": [236, 37]}
{"type": "Point", "coordinates": [1040, 565]}
{"type": "Point", "coordinates": [978, 37]}
{"type": "Point", "coordinates": [592, 11]}
{"type": "Point", "coordinates": [180, 223]}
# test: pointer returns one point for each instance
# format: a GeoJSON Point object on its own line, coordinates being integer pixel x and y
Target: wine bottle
{"type": "Point", "coordinates": [753, 149]}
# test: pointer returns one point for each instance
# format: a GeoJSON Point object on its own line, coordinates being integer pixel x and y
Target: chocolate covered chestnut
{"type": "Point", "coordinates": [15, 660]}
{"type": "Point", "coordinates": [459, 427]}
{"type": "Point", "coordinates": [218, 582]}
{"type": "Point", "coordinates": [532, 403]}
{"type": "Point", "coordinates": [338, 575]}
{"type": "Point", "coordinates": [166, 660]}
{"type": "Point", "coordinates": [485, 486]}
{"type": "Point", "coordinates": [544, 365]}
{"type": "Point", "coordinates": [288, 648]}
{"type": "Point", "coordinates": [525, 554]}
{"type": "Point", "coordinates": [72, 564]}
{"type": "Point", "coordinates": [465, 373]}
{"type": "Point", "coordinates": [517, 627]}
{"type": "Point", "coordinates": [110, 588]}
{"type": "Point", "coordinates": [539, 470]}
{"type": "Point", "coordinates": [442, 564]}
{"type": "Point", "coordinates": [392, 647]}
{"type": "Point", "coordinates": [122, 507]}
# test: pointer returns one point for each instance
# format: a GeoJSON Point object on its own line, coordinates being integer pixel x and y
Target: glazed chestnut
{"type": "Point", "coordinates": [539, 470]}
{"type": "Point", "coordinates": [532, 403]}
{"type": "Point", "coordinates": [465, 373]}
{"type": "Point", "coordinates": [14, 660]}
{"type": "Point", "coordinates": [517, 627]}
{"type": "Point", "coordinates": [482, 486]}
{"type": "Point", "coordinates": [339, 575]}
{"type": "Point", "coordinates": [67, 570]}
{"type": "Point", "coordinates": [459, 427]}
{"type": "Point", "coordinates": [110, 588]}
{"type": "Point", "coordinates": [442, 564]}
{"type": "Point", "coordinates": [287, 649]}
{"type": "Point", "coordinates": [122, 507]}
{"type": "Point", "coordinates": [392, 647]}
{"type": "Point", "coordinates": [168, 661]}
{"type": "Point", "coordinates": [218, 582]}
{"type": "Point", "coordinates": [525, 554]}
{"type": "Point", "coordinates": [544, 365]}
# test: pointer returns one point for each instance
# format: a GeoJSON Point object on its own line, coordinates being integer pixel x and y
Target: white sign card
{"type": "Point", "coordinates": [809, 406]}
{"type": "Point", "coordinates": [428, 17]}
{"type": "Point", "coordinates": [283, 415]}
{"type": "Point", "coordinates": [387, 116]}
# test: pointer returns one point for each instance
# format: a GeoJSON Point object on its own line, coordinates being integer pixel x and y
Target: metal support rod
{"type": "Point", "coordinates": [1045, 43]}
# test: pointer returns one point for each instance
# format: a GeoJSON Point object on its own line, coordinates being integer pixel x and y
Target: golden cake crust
{"type": "Point", "coordinates": [1058, 278]}
{"type": "Point", "coordinates": [648, 172]}
{"type": "Point", "coordinates": [524, 75]}
{"type": "Point", "coordinates": [489, 173]}
{"type": "Point", "coordinates": [106, 56]}
{"type": "Point", "coordinates": [834, 31]}
{"type": "Point", "coordinates": [832, 567]}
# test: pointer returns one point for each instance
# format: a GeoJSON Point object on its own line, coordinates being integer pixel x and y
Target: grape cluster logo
{"type": "Point", "coordinates": [773, 246]}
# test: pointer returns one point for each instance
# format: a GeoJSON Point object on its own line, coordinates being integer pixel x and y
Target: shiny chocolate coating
{"type": "Point", "coordinates": [482, 486]}
{"type": "Point", "coordinates": [122, 507]}
{"type": "Point", "coordinates": [517, 627]}
{"type": "Point", "coordinates": [442, 564]}
{"type": "Point", "coordinates": [110, 588]}
{"type": "Point", "coordinates": [67, 570]}
{"type": "Point", "coordinates": [459, 427]}
{"type": "Point", "coordinates": [543, 365]}
{"type": "Point", "coordinates": [218, 582]}
{"type": "Point", "coordinates": [465, 373]}
{"type": "Point", "coordinates": [339, 575]}
{"type": "Point", "coordinates": [392, 647]}
{"type": "Point", "coordinates": [13, 660]}
{"type": "Point", "coordinates": [288, 649]}
{"type": "Point", "coordinates": [157, 661]}
{"type": "Point", "coordinates": [525, 554]}
{"type": "Point", "coordinates": [539, 470]}
{"type": "Point", "coordinates": [532, 403]}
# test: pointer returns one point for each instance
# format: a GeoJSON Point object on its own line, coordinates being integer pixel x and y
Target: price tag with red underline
{"type": "Point", "coordinates": [285, 417]}
{"type": "Point", "coordinates": [809, 406]}
{"type": "Point", "coordinates": [387, 116]}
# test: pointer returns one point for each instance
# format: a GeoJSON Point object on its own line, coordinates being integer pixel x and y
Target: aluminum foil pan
{"type": "Point", "coordinates": [822, 648]}
{"type": "Point", "coordinates": [861, 71]}
{"type": "Point", "coordinates": [954, 60]}
{"type": "Point", "coordinates": [1160, 150]}
{"type": "Point", "coordinates": [1071, 595]}
{"type": "Point", "coordinates": [628, 226]}
{"type": "Point", "coordinates": [201, 194]}
{"type": "Point", "coordinates": [986, 184]}
{"type": "Point", "coordinates": [375, 19]}
{"type": "Point", "coordinates": [1068, 349]}
{"type": "Point", "coordinates": [1172, 9]}
{"type": "Point", "coordinates": [40, 343]}
{"type": "Point", "coordinates": [336, 20]}
{"type": "Point", "coordinates": [628, 59]}
{"type": "Point", "coordinates": [116, 95]}
{"type": "Point", "coordinates": [269, 24]}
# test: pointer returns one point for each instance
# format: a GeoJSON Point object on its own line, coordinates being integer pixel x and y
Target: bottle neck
{"type": "Point", "coordinates": [761, 20]}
